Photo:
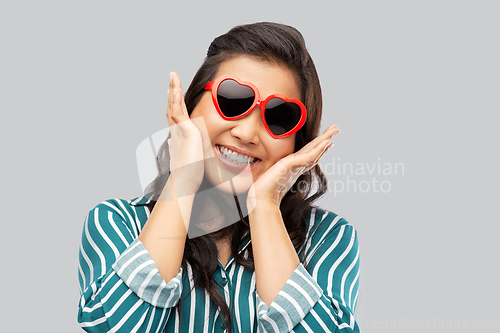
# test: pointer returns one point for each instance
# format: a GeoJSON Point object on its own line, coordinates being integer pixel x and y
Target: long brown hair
{"type": "Point", "coordinates": [282, 45]}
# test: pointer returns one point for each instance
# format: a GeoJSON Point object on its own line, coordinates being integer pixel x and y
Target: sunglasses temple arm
{"type": "Point", "coordinates": [209, 85]}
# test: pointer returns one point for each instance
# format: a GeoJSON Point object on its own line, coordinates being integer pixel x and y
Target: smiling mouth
{"type": "Point", "coordinates": [236, 158]}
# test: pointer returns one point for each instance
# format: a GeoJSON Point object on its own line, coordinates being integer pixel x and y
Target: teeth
{"type": "Point", "coordinates": [237, 158]}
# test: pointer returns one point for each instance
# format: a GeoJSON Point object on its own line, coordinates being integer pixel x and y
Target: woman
{"type": "Point", "coordinates": [228, 240]}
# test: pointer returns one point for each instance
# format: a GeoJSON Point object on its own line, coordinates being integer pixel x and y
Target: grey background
{"type": "Point", "coordinates": [411, 82]}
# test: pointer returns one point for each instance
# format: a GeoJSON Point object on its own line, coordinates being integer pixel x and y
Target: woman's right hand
{"type": "Point", "coordinates": [165, 231]}
{"type": "Point", "coordinates": [185, 144]}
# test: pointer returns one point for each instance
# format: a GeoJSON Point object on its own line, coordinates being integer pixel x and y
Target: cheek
{"type": "Point", "coordinates": [213, 123]}
{"type": "Point", "coordinates": [205, 108]}
{"type": "Point", "coordinates": [283, 148]}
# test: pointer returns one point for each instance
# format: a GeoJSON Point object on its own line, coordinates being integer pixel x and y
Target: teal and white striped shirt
{"type": "Point", "coordinates": [122, 290]}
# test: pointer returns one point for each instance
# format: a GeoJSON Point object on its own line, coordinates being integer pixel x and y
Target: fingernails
{"type": "Point", "coordinates": [334, 134]}
{"type": "Point", "coordinates": [171, 77]}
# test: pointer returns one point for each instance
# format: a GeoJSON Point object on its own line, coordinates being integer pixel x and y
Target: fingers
{"type": "Point", "coordinates": [307, 157]}
{"type": "Point", "coordinates": [330, 132]}
{"type": "Point", "coordinates": [322, 149]}
{"type": "Point", "coordinates": [176, 110]}
{"type": "Point", "coordinates": [169, 105]}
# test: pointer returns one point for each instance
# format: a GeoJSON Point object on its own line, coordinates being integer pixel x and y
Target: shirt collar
{"type": "Point", "coordinates": [242, 247]}
{"type": "Point", "coordinates": [244, 244]}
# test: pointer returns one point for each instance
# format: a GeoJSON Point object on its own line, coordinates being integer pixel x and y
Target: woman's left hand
{"type": "Point", "coordinates": [272, 186]}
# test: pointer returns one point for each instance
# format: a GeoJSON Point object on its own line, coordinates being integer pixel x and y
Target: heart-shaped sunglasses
{"type": "Point", "coordinates": [234, 99]}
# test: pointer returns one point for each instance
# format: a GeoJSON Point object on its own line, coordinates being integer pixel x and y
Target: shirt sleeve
{"type": "Point", "coordinates": [120, 286]}
{"type": "Point", "coordinates": [321, 297]}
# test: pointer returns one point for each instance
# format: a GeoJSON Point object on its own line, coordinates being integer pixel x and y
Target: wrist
{"type": "Point", "coordinates": [265, 207]}
{"type": "Point", "coordinates": [184, 183]}
{"type": "Point", "coordinates": [177, 189]}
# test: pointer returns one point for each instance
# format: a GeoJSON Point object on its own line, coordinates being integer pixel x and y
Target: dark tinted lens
{"type": "Point", "coordinates": [234, 99]}
{"type": "Point", "coordinates": [281, 116]}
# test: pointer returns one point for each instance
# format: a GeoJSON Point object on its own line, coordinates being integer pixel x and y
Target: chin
{"type": "Point", "coordinates": [228, 181]}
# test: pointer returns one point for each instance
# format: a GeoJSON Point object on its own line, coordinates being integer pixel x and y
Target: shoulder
{"type": "Point", "coordinates": [122, 206]}
{"type": "Point", "coordinates": [320, 221]}
{"type": "Point", "coordinates": [326, 232]}
{"type": "Point", "coordinates": [133, 213]}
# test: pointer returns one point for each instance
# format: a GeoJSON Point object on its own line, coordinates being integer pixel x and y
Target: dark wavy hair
{"type": "Point", "coordinates": [284, 46]}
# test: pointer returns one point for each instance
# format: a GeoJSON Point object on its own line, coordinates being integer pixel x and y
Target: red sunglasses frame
{"type": "Point", "coordinates": [214, 86]}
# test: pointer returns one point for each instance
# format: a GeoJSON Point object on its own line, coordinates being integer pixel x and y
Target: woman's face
{"type": "Point", "coordinates": [246, 136]}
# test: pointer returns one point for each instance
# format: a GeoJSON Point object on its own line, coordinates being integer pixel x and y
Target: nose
{"type": "Point", "coordinates": [249, 128]}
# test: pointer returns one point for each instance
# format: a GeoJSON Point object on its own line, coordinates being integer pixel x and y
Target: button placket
{"type": "Point", "coordinates": [224, 281]}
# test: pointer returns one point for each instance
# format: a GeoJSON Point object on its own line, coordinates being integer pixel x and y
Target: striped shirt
{"type": "Point", "coordinates": [122, 291]}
